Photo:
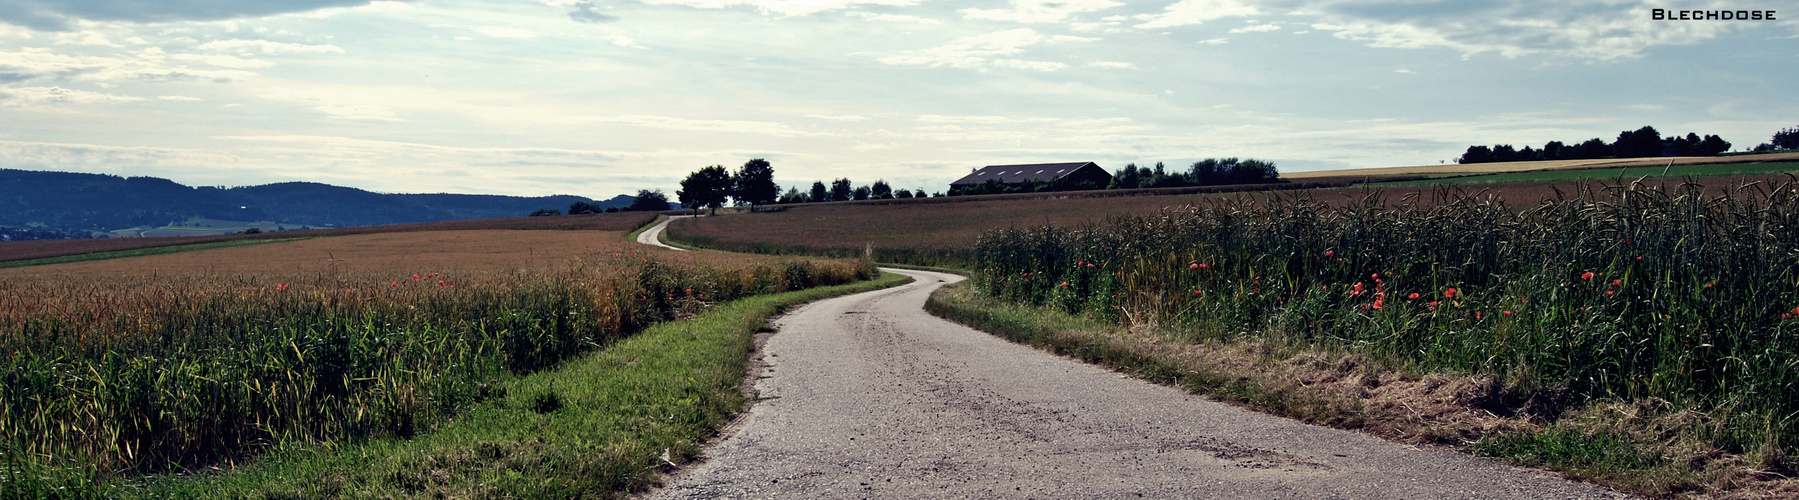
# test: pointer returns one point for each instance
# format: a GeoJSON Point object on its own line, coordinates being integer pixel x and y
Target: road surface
{"type": "Point", "coordinates": [653, 235]}
{"type": "Point", "coordinates": [869, 396]}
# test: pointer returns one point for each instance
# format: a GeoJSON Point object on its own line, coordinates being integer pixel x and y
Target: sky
{"type": "Point", "coordinates": [603, 97]}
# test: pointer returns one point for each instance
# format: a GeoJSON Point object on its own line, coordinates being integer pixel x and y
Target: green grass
{"type": "Point", "coordinates": [1631, 173]}
{"type": "Point", "coordinates": [600, 426]}
{"type": "Point", "coordinates": [141, 252]}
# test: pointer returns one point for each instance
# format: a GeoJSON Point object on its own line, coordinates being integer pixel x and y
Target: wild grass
{"type": "Point", "coordinates": [113, 375]}
{"type": "Point", "coordinates": [1616, 294]}
{"type": "Point", "coordinates": [1612, 173]}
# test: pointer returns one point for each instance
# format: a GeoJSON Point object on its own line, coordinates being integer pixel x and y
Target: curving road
{"type": "Point", "coordinates": [653, 235]}
{"type": "Point", "coordinates": [869, 396]}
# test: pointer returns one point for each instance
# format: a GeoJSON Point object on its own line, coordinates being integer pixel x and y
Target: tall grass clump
{"type": "Point", "coordinates": [103, 377]}
{"type": "Point", "coordinates": [1624, 293]}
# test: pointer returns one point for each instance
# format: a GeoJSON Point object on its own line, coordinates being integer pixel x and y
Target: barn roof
{"type": "Point", "coordinates": [1034, 172]}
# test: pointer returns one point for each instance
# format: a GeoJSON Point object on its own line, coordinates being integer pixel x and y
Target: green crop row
{"type": "Point", "coordinates": [1615, 293]}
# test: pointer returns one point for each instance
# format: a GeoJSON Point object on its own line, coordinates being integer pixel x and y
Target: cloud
{"type": "Point", "coordinates": [840, 118]}
{"type": "Point", "coordinates": [505, 32]}
{"type": "Point", "coordinates": [268, 47]}
{"type": "Point", "coordinates": [30, 63]}
{"type": "Point", "coordinates": [223, 61]}
{"type": "Point", "coordinates": [23, 97]}
{"type": "Point", "coordinates": [54, 15]}
{"type": "Point", "coordinates": [893, 18]}
{"type": "Point", "coordinates": [978, 51]}
{"type": "Point", "coordinates": [1191, 12]}
{"type": "Point", "coordinates": [726, 126]}
{"type": "Point", "coordinates": [784, 7]}
{"type": "Point", "coordinates": [1214, 41]}
{"type": "Point", "coordinates": [622, 41]}
{"type": "Point", "coordinates": [1584, 29]}
{"type": "Point", "coordinates": [1256, 28]}
{"type": "Point", "coordinates": [177, 98]}
{"type": "Point", "coordinates": [1040, 11]}
{"type": "Point", "coordinates": [1111, 65]}
{"type": "Point", "coordinates": [367, 112]}
{"type": "Point", "coordinates": [586, 12]}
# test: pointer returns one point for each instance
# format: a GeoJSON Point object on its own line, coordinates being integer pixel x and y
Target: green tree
{"type": "Point", "coordinates": [1787, 138]}
{"type": "Point", "coordinates": [708, 187]}
{"type": "Point", "coordinates": [902, 194]}
{"type": "Point", "coordinates": [543, 212]}
{"type": "Point", "coordinates": [880, 190]}
{"type": "Point", "coordinates": [793, 195]}
{"type": "Point", "coordinates": [1641, 143]}
{"type": "Point", "coordinates": [582, 207]}
{"type": "Point", "coordinates": [819, 193]}
{"type": "Point", "coordinates": [754, 183]}
{"type": "Point", "coordinates": [649, 200]}
{"type": "Point", "coordinates": [841, 190]}
{"type": "Point", "coordinates": [860, 193]}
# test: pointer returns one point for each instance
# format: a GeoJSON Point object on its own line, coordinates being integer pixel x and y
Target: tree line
{"type": "Point", "coordinates": [1207, 172]}
{"type": "Point", "coordinates": [1640, 143]}
{"type": "Point", "coordinates": [647, 200]}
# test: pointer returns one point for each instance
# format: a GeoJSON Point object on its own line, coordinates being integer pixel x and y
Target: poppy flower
{"type": "Point", "coordinates": [1586, 275]}
{"type": "Point", "coordinates": [1617, 282]}
{"type": "Point", "coordinates": [1413, 296]}
{"type": "Point", "coordinates": [1330, 253]}
{"type": "Point", "coordinates": [1450, 293]}
{"type": "Point", "coordinates": [1609, 293]}
{"type": "Point", "coordinates": [1507, 313]}
{"type": "Point", "coordinates": [1433, 304]}
{"type": "Point", "coordinates": [1193, 266]}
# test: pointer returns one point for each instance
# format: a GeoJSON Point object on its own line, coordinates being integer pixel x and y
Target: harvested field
{"type": "Point", "coordinates": [39, 249]}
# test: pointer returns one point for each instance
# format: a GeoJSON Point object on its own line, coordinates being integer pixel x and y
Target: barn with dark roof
{"type": "Point", "coordinates": [1069, 174]}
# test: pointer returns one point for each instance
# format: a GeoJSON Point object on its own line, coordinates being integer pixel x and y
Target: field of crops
{"type": "Point", "coordinates": [943, 231]}
{"type": "Point", "coordinates": [39, 249]}
{"type": "Point", "coordinates": [173, 362]}
{"type": "Point", "coordinates": [1680, 295]}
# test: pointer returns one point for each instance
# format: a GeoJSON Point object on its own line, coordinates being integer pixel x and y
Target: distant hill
{"type": "Point", "coordinates": [71, 203]}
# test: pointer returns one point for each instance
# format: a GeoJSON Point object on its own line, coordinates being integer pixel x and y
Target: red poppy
{"type": "Point", "coordinates": [1617, 282]}
{"type": "Point", "coordinates": [441, 284]}
{"type": "Point", "coordinates": [1433, 304]}
{"type": "Point", "coordinates": [1330, 253]}
{"type": "Point", "coordinates": [1609, 293]}
{"type": "Point", "coordinates": [1450, 293]}
{"type": "Point", "coordinates": [1193, 266]}
{"type": "Point", "coordinates": [1204, 266]}
{"type": "Point", "coordinates": [1413, 296]}
{"type": "Point", "coordinates": [1507, 313]}
{"type": "Point", "coordinates": [1586, 275]}
{"type": "Point", "coordinates": [1477, 315]}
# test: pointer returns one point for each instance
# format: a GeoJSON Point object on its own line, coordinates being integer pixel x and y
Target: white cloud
{"type": "Point", "coordinates": [1111, 65]}
{"type": "Point", "coordinates": [223, 61]}
{"type": "Point", "coordinates": [268, 47]}
{"type": "Point", "coordinates": [358, 112]}
{"type": "Point", "coordinates": [1040, 11]}
{"type": "Point", "coordinates": [1190, 12]}
{"type": "Point", "coordinates": [177, 98]}
{"type": "Point", "coordinates": [978, 51]}
{"type": "Point", "coordinates": [1256, 28]}
{"type": "Point", "coordinates": [622, 41]}
{"type": "Point", "coordinates": [505, 32]}
{"type": "Point", "coordinates": [17, 97]}
{"type": "Point", "coordinates": [1402, 70]}
{"type": "Point", "coordinates": [840, 118]}
{"type": "Point", "coordinates": [675, 123]}
{"type": "Point", "coordinates": [1647, 107]}
{"type": "Point", "coordinates": [893, 18]}
{"type": "Point", "coordinates": [1590, 29]}
{"type": "Point", "coordinates": [31, 63]}
{"type": "Point", "coordinates": [1214, 41]}
{"type": "Point", "coordinates": [784, 7]}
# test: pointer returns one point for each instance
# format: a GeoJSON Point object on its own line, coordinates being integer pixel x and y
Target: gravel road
{"type": "Point", "coordinates": [869, 396]}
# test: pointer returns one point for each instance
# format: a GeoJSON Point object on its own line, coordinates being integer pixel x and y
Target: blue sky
{"type": "Point", "coordinates": [596, 98]}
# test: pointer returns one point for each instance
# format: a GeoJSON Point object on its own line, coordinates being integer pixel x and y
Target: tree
{"type": "Point", "coordinates": [819, 193]}
{"type": "Point", "coordinates": [861, 193]}
{"type": "Point", "coordinates": [902, 194]}
{"type": "Point", "coordinates": [919, 193]}
{"type": "Point", "coordinates": [1786, 138]}
{"type": "Point", "coordinates": [1124, 178]}
{"type": "Point", "coordinates": [1712, 146]}
{"type": "Point", "coordinates": [793, 195]}
{"type": "Point", "coordinates": [754, 183]}
{"type": "Point", "coordinates": [545, 212]}
{"type": "Point", "coordinates": [1641, 143]}
{"type": "Point", "coordinates": [841, 190]}
{"type": "Point", "coordinates": [880, 190]}
{"type": "Point", "coordinates": [649, 200]}
{"type": "Point", "coordinates": [706, 187]}
{"type": "Point", "coordinates": [582, 207]}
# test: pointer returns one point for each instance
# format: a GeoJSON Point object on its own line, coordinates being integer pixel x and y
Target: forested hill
{"type": "Point", "coordinates": [80, 203]}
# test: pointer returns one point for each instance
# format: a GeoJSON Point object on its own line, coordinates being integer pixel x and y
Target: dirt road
{"type": "Point", "coordinates": [869, 396]}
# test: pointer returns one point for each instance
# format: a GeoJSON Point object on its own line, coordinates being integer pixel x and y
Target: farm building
{"type": "Point", "coordinates": [1084, 175]}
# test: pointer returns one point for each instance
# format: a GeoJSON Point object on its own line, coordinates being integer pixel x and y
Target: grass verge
{"type": "Point", "coordinates": [120, 254]}
{"type": "Point", "coordinates": [1647, 447]}
{"type": "Point", "coordinates": [600, 426]}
